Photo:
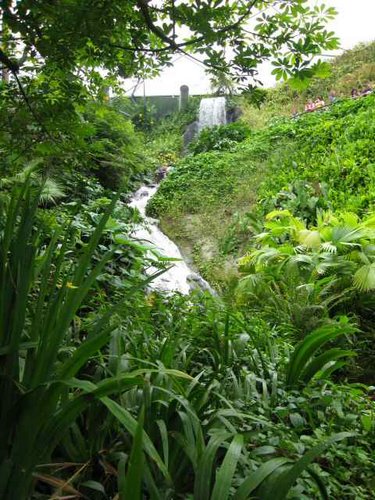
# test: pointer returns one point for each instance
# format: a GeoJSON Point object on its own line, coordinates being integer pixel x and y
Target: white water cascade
{"type": "Point", "coordinates": [212, 112]}
{"type": "Point", "coordinates": [179, 278]}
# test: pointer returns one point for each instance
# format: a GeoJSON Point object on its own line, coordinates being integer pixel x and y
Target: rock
{"type": "Point", "coordinates": [196, 282]}
{"type": "Point", "coordinates": [190, 134]}
{"type": "Point", "coordinates": [234, 114]}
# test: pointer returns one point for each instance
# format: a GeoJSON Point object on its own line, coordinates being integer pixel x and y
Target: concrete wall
{"type": "Point", "coordinates": [164, 105]}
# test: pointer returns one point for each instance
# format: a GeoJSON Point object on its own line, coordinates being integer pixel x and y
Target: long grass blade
{"type": "Point", "coordinates": [256, 478]}
{"type": "Point", "coordinates": [285, 481]}
{"type": "Point", "coordinates": [204, 473]}
{"type": "Point", "coordinates": [133, 481]}
{"type": "Point", "coordinates": [227, 469]}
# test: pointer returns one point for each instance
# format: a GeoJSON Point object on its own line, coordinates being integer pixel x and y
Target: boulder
{"type": "Point", "coordinates": [234, 114]}
{"type": "Point", "coordinates": [190, 134]}
{"type": "Point", "coordinates": [196, 282]}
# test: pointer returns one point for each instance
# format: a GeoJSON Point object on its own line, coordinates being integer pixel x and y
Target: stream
{"type": "Point", "coordinates": [179, 278]}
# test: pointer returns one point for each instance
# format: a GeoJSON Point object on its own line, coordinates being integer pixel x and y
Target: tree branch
{"type": "Point", "coordinates": [143, 6]}
{"type": "Point", "coordinates": [11, 65]}
{"type": "Point", "coordinates": [171, 43]}
{"type": "Point", "coordinates": [14, 69]}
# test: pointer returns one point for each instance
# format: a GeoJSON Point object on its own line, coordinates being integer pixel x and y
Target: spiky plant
{"type": "Point", "coordinates": [41, 291]}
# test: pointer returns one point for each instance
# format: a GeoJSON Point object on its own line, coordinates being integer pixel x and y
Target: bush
{"type": "Point", "coordinates": [114, 148]}
{"type": "Point", "coordinates": [219, 138]}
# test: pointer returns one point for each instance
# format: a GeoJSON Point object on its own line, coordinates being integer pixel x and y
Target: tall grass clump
{"type": "Point", "coordinates": [43, 285]}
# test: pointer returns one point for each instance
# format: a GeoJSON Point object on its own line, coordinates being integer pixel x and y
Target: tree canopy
{"type": "Point", "coordinates": [57, 54]}
{"type": "Point", "coordinates": [73, 39]}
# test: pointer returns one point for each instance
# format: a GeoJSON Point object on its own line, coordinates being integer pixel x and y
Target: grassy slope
{"type": "Point", "coordinates": [202, 203]}
{"type": "Point", "coordinates": [353, 69]}
{"type": "Point", "coordinates": [199, 199]}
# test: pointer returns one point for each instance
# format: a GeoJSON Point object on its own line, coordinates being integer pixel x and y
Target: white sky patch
{"type": "Point", "coordinates": [353, 24]}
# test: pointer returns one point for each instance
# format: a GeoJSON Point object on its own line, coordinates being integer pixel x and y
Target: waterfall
{"type": "Point", "coordinates": [179, 278]}
{"type": "Point", "coordinates": [212, 112]}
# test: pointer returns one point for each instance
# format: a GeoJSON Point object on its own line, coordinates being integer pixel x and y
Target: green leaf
{"type": "Point", "coordinates": [322, 69]}
{"type": "Point", "coordinates": [133, 481]}
{"type": "Point", "coordinates": [130, 424]}
{"type": "Point", "coordinates": [256, 478]}
{"type": "Point", "coordinates": [226, 472]}
{"type": "Point", "coordinates": [305, 350]}
{"type": "Point", "coordinates": [297, 420]}
{"type": "Point", "coordinates": [364, 278]}
{"type": "Point", "coordinates": [94, 485]}
{"type": "Point", "coordinates": [367, 422]}
{"type": "Point", "coordinates": [164, 440]}
{"type": "Point", "coordinates": [286, 480]}
{"type": "Point", "coordinates": [204, 472]}
{"type": "Point", "coordinates": [322, 360]}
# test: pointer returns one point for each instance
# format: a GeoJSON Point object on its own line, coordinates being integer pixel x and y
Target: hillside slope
{"type": "Point", "coordinates": [318, 161]}
{"type": "Point", "coordinates": [353, 69]}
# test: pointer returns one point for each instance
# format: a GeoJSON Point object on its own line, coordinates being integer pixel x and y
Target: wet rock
{"type": "Point", "coordinates": [196, 282]}
{"type": "Point", "coordinates": [178, 276]}
{"type": "Point", "coordinates": [190, 134]}
{"type": "Point", "coordinates": [233, 114]}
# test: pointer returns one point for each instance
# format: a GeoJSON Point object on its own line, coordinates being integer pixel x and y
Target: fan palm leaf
{"type": "Point", "coordinates": [364, 278]}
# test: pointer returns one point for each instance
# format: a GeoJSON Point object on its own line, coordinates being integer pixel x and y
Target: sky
{"type": "Point", "coordinates": [353, 24]}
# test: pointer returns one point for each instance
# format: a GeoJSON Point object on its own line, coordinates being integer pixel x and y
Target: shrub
{"type": "Point", "coordinates": [219, 138]}
{"type": "Point", "coordinates": [114, 149]}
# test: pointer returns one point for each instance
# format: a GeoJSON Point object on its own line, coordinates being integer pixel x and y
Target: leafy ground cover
{"type": "Point", "coordinates": [168, 397]}
{"type": "Point", "coordinates": [353, 69]}
{"type": "Point", "coordinates": [163, 397]}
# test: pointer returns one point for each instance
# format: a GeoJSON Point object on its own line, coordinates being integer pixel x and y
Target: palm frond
{"type": "Point", "coordinates": [364, 278]}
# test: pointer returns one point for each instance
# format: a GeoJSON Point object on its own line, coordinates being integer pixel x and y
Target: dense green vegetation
{"type": "Point", "coordinates": [318, 161]}
{"type": "Point", "coordinates": [122, 386]}
{"type": "Point", "coordinates": [353, 69]}
{"type": "Point", "coordinates": [294, 201]}
{"type": "Point", "coordinates": [111, 390]}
